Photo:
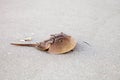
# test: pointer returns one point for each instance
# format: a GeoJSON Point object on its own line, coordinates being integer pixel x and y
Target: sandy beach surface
{"type": "Point", "coordinates": [96, 22]}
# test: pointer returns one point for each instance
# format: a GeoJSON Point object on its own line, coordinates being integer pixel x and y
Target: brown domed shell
{"type": "Point", "coordinates": [62, 45]}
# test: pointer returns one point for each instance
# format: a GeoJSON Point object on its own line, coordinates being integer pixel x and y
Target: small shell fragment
{"type": "Point", "coordinates": [26, 39]}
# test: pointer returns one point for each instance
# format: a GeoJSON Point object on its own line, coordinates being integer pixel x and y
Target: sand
{"type": "Point", "coordinates": [96, 22]}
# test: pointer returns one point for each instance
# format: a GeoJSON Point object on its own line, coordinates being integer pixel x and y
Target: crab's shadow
{"type": "Point", "coordinates": [83, 46]}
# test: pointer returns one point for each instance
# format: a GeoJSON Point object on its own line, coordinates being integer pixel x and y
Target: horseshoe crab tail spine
{"type": "Point", "coordinates": [20, 44]}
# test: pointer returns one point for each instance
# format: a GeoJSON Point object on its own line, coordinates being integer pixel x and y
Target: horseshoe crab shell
{"type": "Point", "coordinates": [62, 45]}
